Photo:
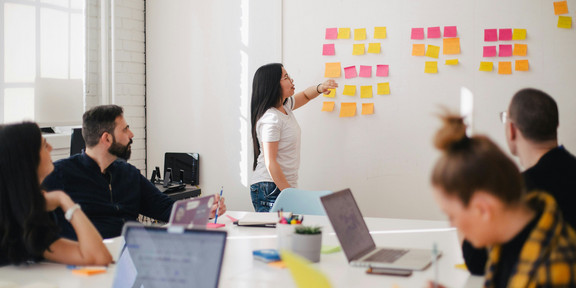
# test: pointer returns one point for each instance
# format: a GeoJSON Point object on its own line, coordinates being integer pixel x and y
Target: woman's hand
{"type": "Point", "coordinates": [328, 84]}
{"type": "Point", "coordinates": [218, 203]}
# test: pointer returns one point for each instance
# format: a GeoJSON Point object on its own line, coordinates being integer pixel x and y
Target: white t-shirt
{"type": "Point", "coordinates": [275, 126]}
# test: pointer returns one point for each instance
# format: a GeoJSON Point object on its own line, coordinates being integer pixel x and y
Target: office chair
{"type": "Point", "coordinates": [300, 201]}
{"type": "Point", "coordinates": [77, 144]}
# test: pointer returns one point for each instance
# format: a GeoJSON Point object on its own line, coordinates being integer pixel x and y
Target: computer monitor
{"type": "Point", "coordinates": [189, 162]}
{"type": "Point", "coordinates": [77, 144]}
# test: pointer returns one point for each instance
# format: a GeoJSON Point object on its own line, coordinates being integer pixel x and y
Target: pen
{"type": "Point", "coordinates": [435, 259]}
{"type": "Point", "coordinates": [218, 205]}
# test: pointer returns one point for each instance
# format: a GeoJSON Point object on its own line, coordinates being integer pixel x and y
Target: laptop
{"type": "Point", "coordinates": [357, 242]}
{"type": "Point", "coordinates": [192, 212]}
{"type": "Point", "coordinates": [173, 257]}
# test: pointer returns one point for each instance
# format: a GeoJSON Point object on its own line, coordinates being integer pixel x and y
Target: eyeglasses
{"type": "Point", "coordinates": [503, 117]}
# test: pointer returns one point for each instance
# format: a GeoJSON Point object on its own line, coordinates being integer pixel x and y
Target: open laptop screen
{"type": "Point", "coordinates": [348, 224]}
{"type": "Point", "coordinates": [161, 257]}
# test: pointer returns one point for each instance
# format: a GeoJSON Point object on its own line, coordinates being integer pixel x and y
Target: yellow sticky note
{"type": "Point", "coordinates": [366, 91]}
{"type": "Point", "coordinates": [304, 274]}
{"type": "Point", "coordinates": [565, 22]}
{"type": "Point", "coordinates": [360, 34]}
{"type": "Point", "coordinates": [461, 266]}
{"type": "Point", "coordinates": [520, 49]}
{"type": "Point", "coordinates": [332, 70]}
{"type": "Point", "coordinates": [367, 108]}
{"type": "Point", "coordinates": [379, 32]}
{"type": "Point", "coordinates": [332, 93]}
{"type": "Point", "coordinates": [358, 49]}
{"type": "Point", "coordinates": [560, 7]}
{"type": "Point", "coordinates": [432, 51]}
{"type": "Point", "coordinates": [383, 89]}
{"type": "Point", "coordinates": [522, 65]}
{"type": "Point", "coordinates": [343, 33]}
{"type": "Point", "coordinates": [486, 66]}
{"type": "Point", "coordinates": [418, 49]}
{"type": "Point", "coordinates": [519, 34]}
{"type": "Point", "coordinates": [328, 106]}
{"type": "Point", "coordinates": [451, 46]}
{"type": "Point", "coordinates": [347, 109]}
{"type": "Point", "coordinates": [374, 48]}
{"type": "Point", "coordinates": [349, 90]}
{"type": "Point", "coordinates": [431, 67]}
{"type": "Point", "coordinates": [451, 62]}
{"type": "Point", "coordinates": [505, 67]}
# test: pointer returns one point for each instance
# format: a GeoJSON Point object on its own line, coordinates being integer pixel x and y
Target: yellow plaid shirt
{"type": "Point", "coordinates": [548, 257]}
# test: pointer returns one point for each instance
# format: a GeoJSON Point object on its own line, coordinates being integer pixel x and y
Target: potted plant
{"type": "Point", "coordinates": [307, 242]}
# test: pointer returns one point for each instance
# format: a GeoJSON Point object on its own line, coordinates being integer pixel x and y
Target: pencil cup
{"type": "Point", "coordinates": [307, 246]}
{"type": "Point", "coordinates": [285, 232]}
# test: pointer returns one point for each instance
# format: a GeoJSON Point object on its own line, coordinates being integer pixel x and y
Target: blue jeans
{"type": "Point", "coordinates": [264, 195]}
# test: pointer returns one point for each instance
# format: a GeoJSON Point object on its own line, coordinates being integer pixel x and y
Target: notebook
{"type": "Point", "coordinates": [173, 257]}
{"type": "Point", "coordinates": [357, 242]}
{"type": "Point", "coordinates": [192, 212]}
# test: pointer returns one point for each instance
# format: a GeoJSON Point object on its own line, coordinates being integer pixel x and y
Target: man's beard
{"type": "Point", "coordinates": [120, 150]}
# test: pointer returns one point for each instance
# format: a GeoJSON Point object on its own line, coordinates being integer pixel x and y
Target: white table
{"type": "Point", "coordinates": [240, 270]}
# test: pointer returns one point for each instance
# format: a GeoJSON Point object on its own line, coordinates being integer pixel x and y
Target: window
{"type": "Point", "coordinates": [42, 48]}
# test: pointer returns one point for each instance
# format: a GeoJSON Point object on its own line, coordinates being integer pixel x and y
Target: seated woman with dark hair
{"type": "Point", "coordinates": [482, 192]}
{"type": "Point", "coordinates": [27, 230]}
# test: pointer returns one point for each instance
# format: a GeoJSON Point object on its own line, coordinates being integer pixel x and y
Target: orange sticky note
{"type": "Point", "coordinates": [418, 49]}
{"type": "Point", "coordinates": [343, 33]}
{"type": "Point", "coordinates": [383, 89]}
{"type": "Point", "coordinates": [348, 109]}
{"type": "Point", "coordinates": [451, 46]}
{"type": "Point", "coordinates": [433, 51]}
{"type": "Point", "coordinates": [349, 90]}
{"type": "Point", "coordinates": [505, 67]}
{"type": "Point", "coordinates": [332, 70]}
{"type": "Point", "coordinates": [451, 62]}
{"type": "Point", "coordinates": [379, 32]}
{"type": "Point", "coordinates": [367, 108]}
{"type": "Point", "coordinates": [564, 22]}
{"type": "Point", "coordinates": [332, 93]}
{"type": "Point", "coordinates": [522, 65]}
{"type": "Point", "coordinates": [328, 106]}
{"type": "Point", "coordinates": [366, 91]}
{"type": "Point", "coordinates": [358, 49]}
{"type": "Point", "coordinates": [89, 271]}
{"type": "Point", "coordinates": [560, 7]}
{"type": "Point", "coordinates": [374, 48]}
{"type": "Point", "coordinates": [277, 264]}
{"type": "Point", "coordinates": [520, 49]}
{"type": "Point", "coordinates": [431, 67]}
{"type": "Point", "coordinates": [519, 34]}
{"type": "Point", "coordinates": [486, 66]}
{"type": "Point", "coordinates": [360, 34]}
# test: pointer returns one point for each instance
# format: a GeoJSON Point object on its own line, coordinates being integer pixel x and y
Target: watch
{"type": "Point", "coordinates": [70, 212]}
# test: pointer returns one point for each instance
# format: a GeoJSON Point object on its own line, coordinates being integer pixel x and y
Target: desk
{"type": "Point", "coordinates": [240, 270]}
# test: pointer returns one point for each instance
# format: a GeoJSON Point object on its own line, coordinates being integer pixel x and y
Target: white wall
{"type": "Point", "coordinates": [200, 58]}
{"type": "Point", "coordinates": [199, 72]}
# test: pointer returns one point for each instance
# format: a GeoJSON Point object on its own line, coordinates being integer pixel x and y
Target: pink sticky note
{"type": "Point", "coordinates": [434, 32]}
{"type": "Point", "coordinates": [417, 33]}
{"type": "Point", "coordinates": [382, 70]}
{"type": "Point", "coordinates": [505, 51]}
{"type": "Point", "coordinates": [490, 35]}
{"type": "Point", "coordinates": [350, 72]}
{"type": "Point", "coordinates": [505, 34]}
{"type": "Point", "coordinates": [328, 49]}
{"type": "Point", "coordinates": [331, 33]}
{"type": "Point", "coordinates": [231, 218]}
{"type": "Point", "coordinates": [365, 71]}
{"type": "Point", "coordinates": [450, 31]}
{"type": "Point", "coordinates": [490, 51]}
{"type": "Point", "coordinates": [214, 225]}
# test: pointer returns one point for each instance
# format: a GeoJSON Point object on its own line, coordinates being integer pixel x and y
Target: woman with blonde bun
{"type": "Point", "coordinates": [481, 191]}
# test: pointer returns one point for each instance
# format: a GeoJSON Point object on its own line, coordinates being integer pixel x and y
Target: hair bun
{"type": "Point", "coordinates": [452, 133]}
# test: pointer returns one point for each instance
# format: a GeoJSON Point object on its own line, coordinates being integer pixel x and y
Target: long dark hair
{"type": "Point", "coordinates": [266, 93]}
{"type": "Point", "coordinates": [25, 226]}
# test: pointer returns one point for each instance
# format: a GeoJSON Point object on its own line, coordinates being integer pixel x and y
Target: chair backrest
{"type": "Point", "coordinates": [300, 201]}
{"type": "Point", "coordinates": [76, 142]}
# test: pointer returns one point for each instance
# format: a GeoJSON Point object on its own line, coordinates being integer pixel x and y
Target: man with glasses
{"type": "Point", "coordinates": [531, 124]}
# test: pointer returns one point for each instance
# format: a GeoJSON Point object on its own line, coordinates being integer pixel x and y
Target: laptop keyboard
{"type": "Point", "coordinates": [386, 255]}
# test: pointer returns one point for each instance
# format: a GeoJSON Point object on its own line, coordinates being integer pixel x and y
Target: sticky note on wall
{"type": "Point", "coordinates": [365, 71]}
{"type": "Point", "coordinates": [418, 49]}
{"type": "Point", "coordinates": [343, 33]}
{"type": "Point", "coordinates": [505, 67]}
{"type": "Point", "coordinates": [451, 46]}
{"type": "Point", "coordinates": [349, 90]}
{"type": "Point", "coordinates": [564, 22]}
{"type": "Point", "coordinates": [328, 106]}
{"type": "Point", "coordinates": [434, 32]}
{"type": "Point", "coordinates": [366, 91]}
{"type": "Point", "coordinates": [360, 34]}
{"type": "Point", "coordinates": [431, 67]}
{"type": "Point", "coordinates": [379, 32]}
{"type": "Point", "coordinates": [490, 51]}
{"type": "Point", "coordinates": [331, 33]}
{"type": "Point", "coordinates": [519, 34]}
{"type": "Point", "coordinates": [560, 7]}
{"type": "Point", "coordinates": [328, 49]}
{"type": "Point", "coordinates": [374, 48]}
{"type": "Point", "coordinates": [347, 109]}
{"type": "Point", "coordinates": [383, 89]}
{"type": "Point", "coordinates": [332, 93]}
{"type": "Point", "coordinates": [451, 62]}
{"type": "Point", "coordinates": [358, 49]}
{"type": "Point", "coordinates": [450, 31]}
{"type": "Point", "coordinates": [433, 51]}
{"type": "Point", "coordinates": [522, 65]}
{"type": "Point", "coordinates": [505, 51]}
{"type": "Point", "coordinates": [382, 70]}
{"type": "Point", "coordinates": [367, 108]}
{"type": "Point", "coordinates": [520, 49]}
{"type": "Point", "coordinates": [332, 70]}
{"type": "Point", "coordinates": [490, 35]}
{"type": "Point", "coordinates": [350, 72]}
{"type": "Point", "coordinates": [505, 34]}
{"type": "Point", "coordinates": [486, 66]}
{"type": "Point", "coordinates": [417, 34]}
